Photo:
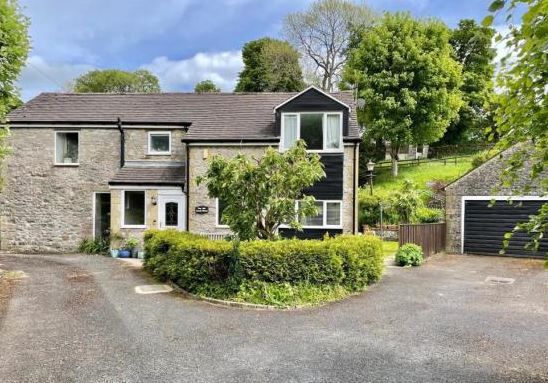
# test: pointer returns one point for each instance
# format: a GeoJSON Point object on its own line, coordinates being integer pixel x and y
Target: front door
{"type": "Point", "coordinates": [170, 212]}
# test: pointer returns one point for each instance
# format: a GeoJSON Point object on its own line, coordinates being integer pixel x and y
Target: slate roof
{"type": "Point", "coordinates": [221, 116]}
{"type": "Point", "coordinates": [150, 175]}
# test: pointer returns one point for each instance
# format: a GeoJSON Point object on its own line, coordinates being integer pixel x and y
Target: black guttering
{"type": "Point", "coordinates": [122, 143]}
{"type": "Point", "coordinates": [231, 140]}
{"type": "Point", "coordinates": [133, 183]}
{"type": "Point", "coordinates": [110, 123]}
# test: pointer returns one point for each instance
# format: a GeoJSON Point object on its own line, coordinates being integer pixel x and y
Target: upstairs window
{"type": "Point", "coordinates": [159, 143]}
{"type": "Point", "coordinates": [320, 131]}
{"type": "Point", "coordinates": [66, 148]}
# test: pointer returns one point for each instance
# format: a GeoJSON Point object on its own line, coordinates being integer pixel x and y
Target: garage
{"type": "Point", "coordinates": [485, 223]}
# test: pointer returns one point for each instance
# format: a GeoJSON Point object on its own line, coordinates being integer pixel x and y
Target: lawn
{"type": "Point", "coordinates": [389, 248]}
{"type": "Point", "coordinates": [383, 183]}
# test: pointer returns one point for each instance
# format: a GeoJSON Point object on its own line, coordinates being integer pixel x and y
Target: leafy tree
{"type": "Point", "coordinates": [404, 70]}
{"type": "Point", "coordinates": [206, 86]}
{"type": "Point", "coordinates": [14, 48]}
{"type": "Point", "coordinates": [523, 105]}
{"type": "Point", "coordinates": [260, 194]}
{"type": "Point", "coordinates": [322, 34]}
{"type": "Point", "coordinates": [117, 81]}
{"type": "Point", "coordinates": [270, 65]}
{"type": "Point", "coordinates": [472, 45]}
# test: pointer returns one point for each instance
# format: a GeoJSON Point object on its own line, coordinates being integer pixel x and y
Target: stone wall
{"type": "Point", "coordinates": [206, 223]}
{"type": "Point", "coordinates": [482, 181]}
{"type": "Point", "coordinates": [137, 145]}
{"type": "Point", "coordinates": [48, 208]}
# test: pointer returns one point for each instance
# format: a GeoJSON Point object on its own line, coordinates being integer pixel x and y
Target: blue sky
{"type": "Point", "coordinates": [181, 41]}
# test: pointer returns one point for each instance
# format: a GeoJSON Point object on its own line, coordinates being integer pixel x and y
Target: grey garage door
{"type": "Point", "coordinates": [485, 225]}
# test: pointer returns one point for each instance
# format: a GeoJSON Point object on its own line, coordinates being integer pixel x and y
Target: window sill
{"type": "Point", "coordinates": [68, 165]}
{"type": "Point", "coordinates": [159, 154]}
{"type": "Point", "coordinates": [222, 226]}
{"type": "Point", "coordinates": [133, 227]}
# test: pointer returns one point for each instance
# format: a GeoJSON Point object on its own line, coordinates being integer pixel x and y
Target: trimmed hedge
{"type": "Point", "coordinates": [198, 264]}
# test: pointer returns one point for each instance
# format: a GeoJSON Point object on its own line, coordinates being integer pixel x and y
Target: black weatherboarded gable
{"type": "Point", "coordinates": [330, 187]}
{"type": "Point", "coordinates": [313, 101]}
{"type": "Point", "coordinates": [485, 226]}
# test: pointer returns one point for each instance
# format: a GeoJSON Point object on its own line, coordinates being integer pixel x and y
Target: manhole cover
{"type": "Point", "coordinates": [153, 289]}
{"type": "Point", "coordinates": [499, 280]}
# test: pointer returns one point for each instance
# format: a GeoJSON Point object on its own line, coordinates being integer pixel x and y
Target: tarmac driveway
{"type": "Point", "coordinates": [77, 319]}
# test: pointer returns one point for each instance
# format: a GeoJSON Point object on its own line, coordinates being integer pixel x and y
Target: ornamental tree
{"type": "Point", "coordinates": [523, 103]}
{"type": "Point", "coordinates": [260, 194]}
{"type": "Point", "coordinates": [405, 71]}
{"type": "Point", "coordinates": [206, 86]}
{"type": "Point", "coordinates": [14, 48]}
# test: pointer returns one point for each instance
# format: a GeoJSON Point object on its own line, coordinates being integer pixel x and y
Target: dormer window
{"type": "Point", "coordinates": [322, 132]}
{"type": "Point", "coordinates": [159, 143]}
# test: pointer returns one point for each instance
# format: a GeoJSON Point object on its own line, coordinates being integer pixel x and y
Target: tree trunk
{"type": "Point", "coordinates": [394, 156]}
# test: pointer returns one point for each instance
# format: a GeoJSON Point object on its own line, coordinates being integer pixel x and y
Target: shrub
{"type": "Point", "coordinates": [187, 259]}
{"type": "Point", "coordinates": [428, 215]}
{"type": "Point", "coordinates": [94, 246]}
{"type": "Point", "coordinates": [482, 157]}
{"type": "Point", "coordinates": [370, 210]}
{"type": "Point", "coordinates": [223, 269]}
{"type": "Point", "coordinates": [406, 201]}
{"type": "Point", "coordinates": [409, 254]}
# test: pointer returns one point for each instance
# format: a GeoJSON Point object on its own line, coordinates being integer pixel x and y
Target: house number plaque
{"type": "Point", "coordinates": [201, 209]}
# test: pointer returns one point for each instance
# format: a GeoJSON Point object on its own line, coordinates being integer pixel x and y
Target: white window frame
{"type": "Point", "coordinates": [324, 127]}
{"type": "Point", "coordinates": [324, 218]}
{"type": "Point", "coordinates": [217, 217]}
{"type": "Point", "coordinates": [123, 216]}
{"type": "Point", "coordinates": [158, 133]}
{"type": "Point", "coordinates": [55, 134]}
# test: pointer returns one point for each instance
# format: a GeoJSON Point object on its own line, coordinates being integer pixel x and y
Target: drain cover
{"type": "Point", "coordinates": [499, 280]}
{"type": "Point", "coordinates": [153, 289]}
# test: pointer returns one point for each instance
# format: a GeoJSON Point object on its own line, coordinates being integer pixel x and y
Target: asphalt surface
{"type": "Point", "coordinates": [77, 319]}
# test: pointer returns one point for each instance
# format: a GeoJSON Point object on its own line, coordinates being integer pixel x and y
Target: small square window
{"type": "Point", "coordinates": [159, 143]}
{"type": "Point", "coordinates": [66, 148]}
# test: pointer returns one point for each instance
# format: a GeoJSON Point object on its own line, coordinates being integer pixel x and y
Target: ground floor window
{"type": "Point", "coordinates": [133, 208]}
{"type": "Point", "coordinates": [221, 205]}
{"type": "Point", "coordinates": [329, 215]}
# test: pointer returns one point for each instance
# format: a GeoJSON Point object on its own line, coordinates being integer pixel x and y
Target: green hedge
{"type": "Point", "coordinates": [199, 264]}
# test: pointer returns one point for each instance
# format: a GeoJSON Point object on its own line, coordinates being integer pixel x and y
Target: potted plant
{"type": "Point", "coordinates": [70, 156]}
{"type": "Point", "coordinates": [131, 245]}
{"type": "Point", "coordinates": [115, 241]}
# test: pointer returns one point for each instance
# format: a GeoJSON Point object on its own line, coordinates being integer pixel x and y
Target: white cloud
{"type": "Point", "coordinates": [177, 75]}
{"type": "Point", "coordinates": [42, 76]}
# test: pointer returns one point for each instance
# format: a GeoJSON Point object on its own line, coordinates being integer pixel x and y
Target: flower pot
{"type": "Point", "coordinates": [114, 253]}
{"type": "Point", "coordinates": [124, 254]}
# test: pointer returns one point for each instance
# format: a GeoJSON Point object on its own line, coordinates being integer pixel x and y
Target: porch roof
{"type": "Point", "coordinates": [167, 175]}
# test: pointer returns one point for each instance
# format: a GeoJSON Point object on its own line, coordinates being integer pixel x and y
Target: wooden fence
{"type": "Point", "coordinates": [430, 236]}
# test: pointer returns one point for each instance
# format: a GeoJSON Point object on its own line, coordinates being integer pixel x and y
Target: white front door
{"type": "Point", "coordinates": [170, 211]}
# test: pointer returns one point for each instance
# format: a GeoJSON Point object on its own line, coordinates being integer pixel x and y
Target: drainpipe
{"type": "Point", "coordinates": [186, 188]}
{"type": "Point", "coordinates": [122, 143]}
{"type": "Point", "coordinates": [355, 190]}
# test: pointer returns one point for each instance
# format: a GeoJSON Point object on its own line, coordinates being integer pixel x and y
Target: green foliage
{"type": "Point", "coordinates": [117, 81]}
{"type": "Point", "coordinates": [428, 215]}
{"type": "Point", "coordinates": [523, 104]}
{"type": "Point", "coordinates": [409, 255]}
{"type": "Point", "coordinates": [482, 157]}
{"type": "Point", "coordinates": [14, 48]}
{"type": "Point", "coordinates": [472, 44]}
{"type": "Point", "coordinates": [272, 272]}
{"type": "Point", "coordinates": [131, 243]}
{"type": "Point", "coordinates": [187, 259]}
{"type": "Point", "coordinates": [94, 246]}
{"type": "Point", "coordinates": [406, 201]}
{"type": "Point", "coordinates": [260, 194]}
{"type": "Point", "coordinates": [270, 65]}
{"type": "Point", "coordinates": [405, 71]}
{"type": "Point", "coordinates": [285, 294]}
{"type": "Point", "coordinates": [206, 86]}
{"type": "Point", "coordinates": [370, 210]}
{"type": "Point", "coordinates": [323, 33]}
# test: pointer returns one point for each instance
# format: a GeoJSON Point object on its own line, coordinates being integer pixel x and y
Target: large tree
{"type": "Point", "coordinates": [206, 86]}
{"type": "Point", "coordinates": [117, 81]}
{"type": "Point", "coordinates": [14, 48]}
{"type": "Point", "coordinates": [472, 44]}
{"type": "Point", "coordinates": [270, 65]}
{"type": "Point", "coordinates": [404, 70]}
{"type": "Point", "coordinates": [260, 194]}
{"type": "Point", "coordinates": [322, 34]}
{"type": "Point", "coordinates": [522, 110]}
